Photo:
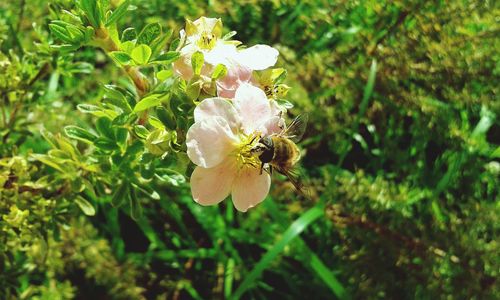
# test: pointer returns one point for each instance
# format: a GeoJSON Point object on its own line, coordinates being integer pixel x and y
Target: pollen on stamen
{"type": "Point", "coordinates": [207, 41]}
{"type": "Point", "coordinates": [243, 152]}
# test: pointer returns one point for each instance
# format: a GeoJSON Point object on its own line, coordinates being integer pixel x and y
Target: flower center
{"type": "Point", "coordinates": [243, 151]}
{"type": "Point", "coordinates": [207, 41]}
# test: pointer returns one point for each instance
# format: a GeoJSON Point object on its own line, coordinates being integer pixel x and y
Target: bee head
{"type": "Point", "coordinates": [267, 142]}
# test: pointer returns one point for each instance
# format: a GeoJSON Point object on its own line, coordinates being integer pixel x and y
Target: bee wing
{"type": "Point", "coordinates": [293, 177]}
{"type": "Point", "coordinates": [295, 131]}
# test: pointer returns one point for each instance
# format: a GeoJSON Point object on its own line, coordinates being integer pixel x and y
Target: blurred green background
{"type": "Point", "coordinates": [401, 157]}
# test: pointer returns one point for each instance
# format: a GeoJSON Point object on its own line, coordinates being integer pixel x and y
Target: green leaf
{"type": "Point", "coordinates": [229, 35]}
{"type": "Point", "coordinates": [127, 47]}
{"type": "Point", "coordinates": [88, 108]}
{"type": "Point", "coordinates": [168, 57]}
{"type": "Point", "coordinates": [120, 195]}
{"type": "Point", "coordinates": [122, 58]}
{"type": "Point", "coordinates": [170, 176]}
{"type": "Point", "coordinates": [161, 42]}
{"type": "Point", "coordinates": [164, 75]}
{"type": "Point", "coordinates": [49, 161]}
{"type": "Point", "coordinates": [79, 134]}
{"type": "Point", "coordinates": [135, 206]}
{"type": "Point", "coordinates": [197, 61]}
{"type": "Point", "coordinates": [496, 153]}
{"type": "Point", "coordinates": [219, 72]}
{"type": "Point", "coordinates": [166, 117]}
{"type": "Point", "coordinates": [141, 131]}
{"type": "Point", "coordinates": [116, 96]}
{"type": "Point", "coordinates": [129, 34]}
{"type": "Point", "coordinates": [174, 44]}
{"type": "Point", "coordinates": [149, 33]}
{"type": "Point", "coordinates": [156, 123]}
{"type": "Point", "coordinates": [121, 136]}
{"type": "Point", "coordinates": [293, 231]}
{"type": "Point", "coordinates": [85, 206]}
{"type": "Point", "coordinates": [60, 33]}
{"type": "Point", "coordinates": [103, 126]}
{"type": "Point", "coordinates": [92, 11]}
{"type": "Point", "coordinates": [124, 119]}
{"type": "Point", "coordinates": [118, 13]}
{"type": "Point", "coordinates": [141, 54]}
{"type": "Point", "coordinates": [147, 102]}
{"type": "Point", "coordinates": [105, 144]}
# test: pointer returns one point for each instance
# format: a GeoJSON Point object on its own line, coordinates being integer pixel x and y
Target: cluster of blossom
{"type": "Point", "coordinates": [226, 127]}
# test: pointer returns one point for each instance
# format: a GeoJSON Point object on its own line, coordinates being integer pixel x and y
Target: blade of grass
{"type": "Point", "coordinates": [292, 232]}
{"type": "Point", "coordinates": [325, 274]}
{"type": "Point", "coordinates": [314, 262]}
{"type": "Point", "coordinates": [368, 91]}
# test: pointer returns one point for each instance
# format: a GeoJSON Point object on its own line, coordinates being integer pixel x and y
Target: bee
{"type": "Point", "coordinates": [280, 151]}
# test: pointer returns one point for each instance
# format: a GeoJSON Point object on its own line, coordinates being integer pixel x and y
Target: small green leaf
{"type": "Point", "coordinates": [127, 47]}
{"type": "Point", "coordinates": [168, 57]}
{"type": "Point", "coordinates": [164, 75]}
{"type": "Point", "coordinates": [166, 117]}
{"type": "Point", "coordinates": [124, 119]}
{"type": "Point", "coordinates": [229, 35]}
{"type": "Point", "coordinates": [161, 42]}
{"type": "Point", "coordinates": [174, 44]}
{"type": "Point", "coordinates": [156, 123]}
{"type": "Point", "coordinates": [197, 61]}
{"type": "Point", "coordinates": [103, 126]}
{"type": "Point", "coordinates": [60, 33]}
{"type": "Point", "coordinates": [116, 96]}
{"type": "Point", "coordinates": [79, 134]}
{"type": "Point", "coordinates": [92, 11]}
{"type": "Point", "coordinates": [135, 206]}
{"type": "Point", "coordinates": [141, 131]}
{"type": "Point", "coordinates": [149, 33]}
{"type": "Point", "coordinates": [120, 195]}
{"type": "Point", "coordinates": [129, 34]}
{"type": "Point", "coordinates": [85, 206]}
{"type": "Point", "coordinates": [170, 176]}
{"type": "Point", "coordinates": [118, 13]}
{"type": "Point", "coordinates": [219, 72]}
{"type": "Point", "coordinates": [88, 108]}
{"type": "Point", "coordinates": [141, 54]}
{"type": "Point", "coordinates": [122, 58]}
{"type": "Point", "coordinates": [147, 102]}
{"type": "Point", "coordinates": [496, 153]}
{"type": "Point", "coordinates": [105, 144]}
{"type": "Point", "coordinates": [121, 136]}
{"type": "Point", "coordinates": [49, 161]}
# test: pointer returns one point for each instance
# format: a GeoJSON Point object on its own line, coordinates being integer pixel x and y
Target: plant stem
{"type": "Point", "coordinates": [105, 42]}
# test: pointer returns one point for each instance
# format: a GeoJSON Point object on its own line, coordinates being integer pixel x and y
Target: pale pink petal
{"type": "Point", "coordinates": [273, 125]}
{"type": "Point", "coordinates": [223, 91]}
{"type": "Point", "coordinates": [258, 57]}
{"type": "Point", "coordinates": [250, 188]}
{"type": "Point", "coordinates": [212, 107]}
{"type": "Point", "coordinates": [236, 76]}
{"type": "Point", "coordinates": [210, 141]}
{"type": "Point", "coordinates": [182, 66]}
{"type": "Point", "coordinates": [222, 53]}
{"type": "Point", "coordinates": [211, 186]}
{"type": "Point", "coordinates": [253, 107]}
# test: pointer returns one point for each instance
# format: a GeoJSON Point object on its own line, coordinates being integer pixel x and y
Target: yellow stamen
{"type": "Point", "coordinates": [243, 152]}
{"type": "Point", "coordinates": [207, 41]}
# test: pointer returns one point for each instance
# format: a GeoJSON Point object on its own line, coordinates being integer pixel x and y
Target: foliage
{"type": "Point", "coordinates": [401, 155]}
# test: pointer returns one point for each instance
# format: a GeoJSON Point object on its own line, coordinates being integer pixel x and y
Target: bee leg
{"type": "Point", "coordinates": [253, 139]}
{"type": "Point", "coordinates": [270, 170]}
{"type": "Point", "coordinates": [261, 168]}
